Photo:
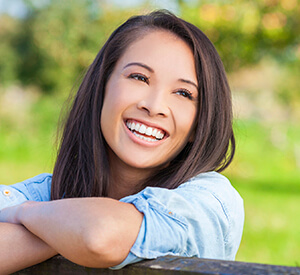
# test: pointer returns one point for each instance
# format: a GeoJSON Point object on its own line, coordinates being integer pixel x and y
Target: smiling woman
{"type": "Point", "coordinates": [136, 176]}
{"type": "Point", "coordinates": [150, 94]}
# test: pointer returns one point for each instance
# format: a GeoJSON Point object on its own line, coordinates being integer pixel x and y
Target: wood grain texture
{"type": "Point", "coordinates": [164, 265]}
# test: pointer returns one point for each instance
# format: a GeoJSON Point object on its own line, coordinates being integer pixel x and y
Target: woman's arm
{"type": "Point", "coordinates": [19, 248]}
{"type": "Point", "coordinates": [94, 232]}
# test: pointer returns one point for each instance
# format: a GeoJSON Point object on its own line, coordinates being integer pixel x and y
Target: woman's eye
{"type": "Point", "coordinates": [140, 77]}
{"type": "Point", "coordinates": [185, 93]}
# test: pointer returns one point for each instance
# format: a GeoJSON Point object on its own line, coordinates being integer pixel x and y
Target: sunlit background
{"type": "Point", "coordinates": [45, 46]}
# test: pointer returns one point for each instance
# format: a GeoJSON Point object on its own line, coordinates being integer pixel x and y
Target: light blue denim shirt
{"type": "Point", "coordinates": [203, 217]}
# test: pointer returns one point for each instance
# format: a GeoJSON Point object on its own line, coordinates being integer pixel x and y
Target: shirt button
{"type": "Point", "coordinates": [6, 192]}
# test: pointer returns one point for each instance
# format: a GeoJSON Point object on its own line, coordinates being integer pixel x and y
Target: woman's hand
{"type": "Point", "coordinates": [12, 214]}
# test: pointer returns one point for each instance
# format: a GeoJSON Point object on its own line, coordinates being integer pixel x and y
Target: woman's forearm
{"type": "Point", "coordinates": [19, 248]}
{"type": "Point", "coordinates": [95, 232]}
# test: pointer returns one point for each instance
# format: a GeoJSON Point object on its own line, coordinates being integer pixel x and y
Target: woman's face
{"type": "Point", "coordinates": [150, 102]}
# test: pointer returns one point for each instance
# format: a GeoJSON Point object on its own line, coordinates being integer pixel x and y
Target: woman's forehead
{"type": "Point", "coordinates": [161, 50]}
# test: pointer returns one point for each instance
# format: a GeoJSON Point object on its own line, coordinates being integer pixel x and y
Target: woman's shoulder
{"type": "Point", "coordinates": [208, 179]}
{"type": "Point", "coordinates": [205, 215]}
{"type": "Point", "coordinates": [214, 183]}
{"type": "Point", "coordinates": [209, 192]}
{"type": "Point", "coordinates": [38, 179]}
{"type": "Point", "coordinates": [219, 189]}
{"type": "Point", "coordinates": [37, 188]}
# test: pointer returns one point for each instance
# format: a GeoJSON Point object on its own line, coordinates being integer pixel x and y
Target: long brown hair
{"type": "Point", "coordinates": [82, 166]}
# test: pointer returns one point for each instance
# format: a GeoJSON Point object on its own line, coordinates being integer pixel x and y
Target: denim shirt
{"type": "Point", "coordinates": [203, 217]}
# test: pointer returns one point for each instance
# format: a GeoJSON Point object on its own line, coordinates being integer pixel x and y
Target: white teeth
{"type": "Point", "coordinates": [159, 135]}
{"type": "Point", "coordinates": [137, 127]}
{"type": "Point", "coordinates": [145, 138]}
{"type": "Point", "coordinates": [143, 129]}
{"type": "Point", "coordinates": [149, 131]}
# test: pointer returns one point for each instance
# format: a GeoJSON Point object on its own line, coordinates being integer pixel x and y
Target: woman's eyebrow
{"type": "Point", "coordinates": [188, 81]}
{"type": "Point", "coordinates": [139, 64]}
{"type": "Point", "coordinates": [152, 71]}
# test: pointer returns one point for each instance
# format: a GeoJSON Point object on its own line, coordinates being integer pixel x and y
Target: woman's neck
{"type": "Point", "coordinates": [125, 180]}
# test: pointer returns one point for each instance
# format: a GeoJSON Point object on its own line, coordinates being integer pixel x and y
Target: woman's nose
{"type": "Point", "coordinates": [155, 105]}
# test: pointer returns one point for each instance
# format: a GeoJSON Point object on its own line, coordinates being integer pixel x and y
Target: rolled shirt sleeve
{"type": "Point", "coordinates": [35, 189]}
{"type": "Point", "coordinates": [203, 217]}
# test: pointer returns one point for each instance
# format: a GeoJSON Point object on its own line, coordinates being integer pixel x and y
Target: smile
{"type": "Point", "coordinates": [145, 132]}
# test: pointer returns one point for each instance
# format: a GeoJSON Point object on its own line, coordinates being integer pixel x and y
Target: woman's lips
{"type": "Point", "coordinates": [144, 131]}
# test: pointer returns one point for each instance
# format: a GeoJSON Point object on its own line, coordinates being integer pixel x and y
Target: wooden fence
{"type": "Point", "coordinates": [162, 266]}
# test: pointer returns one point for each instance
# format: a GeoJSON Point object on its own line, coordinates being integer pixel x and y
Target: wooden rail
{"type": "Point", "coordinates": [162, 266]}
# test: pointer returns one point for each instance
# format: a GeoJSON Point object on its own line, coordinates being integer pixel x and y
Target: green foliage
{"type": "Point", "coordinates": [9, 60]}
{"type": "Point", "coordinates": [267, 152]}
{"type": "Point", "coordinates": [60, 34]}
{"type": "Point", "coordinates": [244, 32]}
{"type": "Point", "coordinates": [55, 43]}
{"type": "Point", "coordinates": [288, 87]}
{"type": "Point", "coordinates": [247, 32]}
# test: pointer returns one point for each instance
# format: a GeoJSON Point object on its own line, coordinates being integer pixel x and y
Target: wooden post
{"type": "Point", "coordinates": [162, 266]}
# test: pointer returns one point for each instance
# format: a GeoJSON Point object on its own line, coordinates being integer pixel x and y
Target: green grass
{"type": "Point", "coordinates": [27, 141]}
{"type": "Point", "coordinates": [265, 172]}
{"type": "Point", "coordinates": [271, 232]}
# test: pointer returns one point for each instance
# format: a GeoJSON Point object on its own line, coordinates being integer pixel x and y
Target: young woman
{"type": "Point", "coordinates": [136, 176]}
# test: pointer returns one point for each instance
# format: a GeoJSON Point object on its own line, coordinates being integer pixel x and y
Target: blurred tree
{"type": "Point", "coordinates": [9, 59]}
{"type": "Point", "coordinates": [244, 32]}
{"type": "Point", "coordinates": [55, 42]}
{"type": "Point", "coordinates": [60, 40]}
{"type": "Point", "coordinates": [247, 32]}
